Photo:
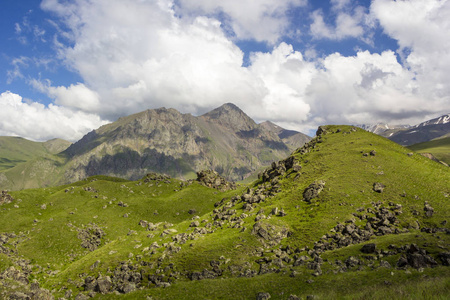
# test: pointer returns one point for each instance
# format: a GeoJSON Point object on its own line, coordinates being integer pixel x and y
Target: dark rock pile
{"type": "Point", "coordinates": [415, 257]}
{"type": "Point", "coordinates": [380, 220]}
{"type": "Point", "coordinates": [212, 179]}
{"type": "Point", "coordinates": [5, 198]}
{"type": "Point", "coordinates": [90, 236]}
{"type": "Point", "coordinates": [157, 177]}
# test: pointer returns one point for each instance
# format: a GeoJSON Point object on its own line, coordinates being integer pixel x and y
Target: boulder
{"type": "Point", "coordinates": [5, 198]}
{"type": "Point", "coordinates": [368, 248]}
{"type": "Point", "coordinates": [104, 285]}
{"type": "Point", "coordinates": [262, 296]}
{"type": "Point", "coordinates": [429, 211]}
{"type": "Point", "coordinates": [378, 187]}
{"type": "Point", "coordinates": [313, 190]}
{"type": "Point", "coordinates": [212, 179]}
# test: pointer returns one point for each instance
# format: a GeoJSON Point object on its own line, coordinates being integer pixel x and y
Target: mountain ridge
{"type": "Point", "coordinates": [407, 135]}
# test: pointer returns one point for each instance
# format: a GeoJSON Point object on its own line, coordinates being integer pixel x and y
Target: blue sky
{"type": "Point", "coordinates": [67, 67]}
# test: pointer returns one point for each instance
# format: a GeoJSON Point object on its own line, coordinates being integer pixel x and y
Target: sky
{"type": "Point", "coordinates": [69, 66]}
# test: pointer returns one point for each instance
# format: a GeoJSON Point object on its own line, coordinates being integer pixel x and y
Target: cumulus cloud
{"type": "Point", "coordinates": [286, 75]}
{"type": "Point", "coordinates": [264, 20]}
{"type": "Point", "coordinates": [34, 121]}
{"type": "Point", "coordinates": [349, 23]}
{"type": "Point", "coordinates": [421, 30]}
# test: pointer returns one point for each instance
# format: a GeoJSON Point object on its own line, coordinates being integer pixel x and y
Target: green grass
{"type": "Point", "coordinates": [440, 148]}
{"type": "Point", "coordinates": [48, 237]}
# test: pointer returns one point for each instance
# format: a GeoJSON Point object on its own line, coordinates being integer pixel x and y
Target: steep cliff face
{"type": "Point", "coordinates": [167, 141]}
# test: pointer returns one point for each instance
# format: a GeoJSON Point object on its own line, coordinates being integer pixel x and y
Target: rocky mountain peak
{"type": "Point", "coordinates": [231, 116]}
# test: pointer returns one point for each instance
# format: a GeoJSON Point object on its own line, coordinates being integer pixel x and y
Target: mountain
{"type": "Point", "coordinates": [350, 215]}
{"type": "Point", "coordinates": [383, 129]}
{"type": "Point", "coordinates": [167, 141]}
{"type": "Point", "coordinates": [164, 141]}
{"type": "Point", "coordinates": [291, 138]}
{"type": "Point", "coordinates": [407, 135]}
{"type": "Point", "coordinates": [423, 132]}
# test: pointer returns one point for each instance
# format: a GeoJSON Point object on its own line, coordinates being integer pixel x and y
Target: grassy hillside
{"type": "Point", "coordinates": [440, 148]}
{"type": "Point", "coordinates": [297, 230]}
{"type": "Point", "coordinates": [27, 164]}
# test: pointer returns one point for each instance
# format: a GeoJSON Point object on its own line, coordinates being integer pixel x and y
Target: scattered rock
{"type": "Point", "coordinates": [429, 211]}
{"type": "Point", "coordinates": [416, 258]}
{"type": "Point", "coordinates": [212, 179]}
{"type": "Point", "coordinates": [262, 296]}
{"type": "Point", "coordinates": [445, 258]}
{"type": "Point", "coordinates": [5, 198]}
{"type": "Point", "coordinates": [378, 187]}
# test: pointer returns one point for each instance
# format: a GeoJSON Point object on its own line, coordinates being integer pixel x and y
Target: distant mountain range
{"type": "Point", "coordinates": [157, 140]}
{"type": "Point", "coordinates": [407, 135]}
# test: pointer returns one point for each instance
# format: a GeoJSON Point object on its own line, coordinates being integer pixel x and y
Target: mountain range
{"type": "Point", "coordinates": [158, 140]}
{"type": "Point", "coordinates": [407, 135]}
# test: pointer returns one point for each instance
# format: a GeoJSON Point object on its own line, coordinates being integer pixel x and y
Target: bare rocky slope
{"type": "Point", "coordinates": [166, 141]}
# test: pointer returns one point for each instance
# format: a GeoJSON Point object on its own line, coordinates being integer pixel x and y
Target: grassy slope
{"type": "Point", "coordinates": [440, 148]}
{"type": "Point", "coordinates": [338, 160]}
{"type": "Point", "coordinates": [15, 150]}
{"type": "Point", "coordinates": [27, 164]}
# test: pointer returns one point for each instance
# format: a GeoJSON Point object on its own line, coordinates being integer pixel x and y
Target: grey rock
{"type": "Point", "coordinates": [368, 248]}
{"type": "Point", "coordinates": [262, 296]}
{"type": "Point", "coordinates": [313, 190]}
{"type": "Point", "coordinates": [104, 285]}
{"type": "Point", "coordinates": [378, 187]}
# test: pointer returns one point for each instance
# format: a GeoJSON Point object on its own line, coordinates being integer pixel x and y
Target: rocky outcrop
{"type": "Point", "coordinates": [212, 179]}
{"type": "Point", "coordinates": [270, 234]}
{"type": "Point", "coordinates": [313, 190]}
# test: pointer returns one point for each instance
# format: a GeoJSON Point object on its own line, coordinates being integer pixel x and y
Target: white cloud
{"type": "Point", "coordinates": [348, 23]}
{"type": "Point", "coordinates": [37, 122]}
{"type": "Point", "coordinates": [263, 20]}
{"type": "Point", "coordinates": [366, 88]}
{"type": "Point", "coordinates": [138, 55]}
{"type": "Point", "coordinates": [285, 75]}
{"type": "Point", "coordinates": [421, 29]}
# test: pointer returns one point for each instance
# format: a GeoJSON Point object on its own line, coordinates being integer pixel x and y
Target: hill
{"type": "Point", "coordinates": [28, 164]}
{"type": "Point", "coordinates": [439, 148]}
{"type": "Point", "coordinates": [349, 215]}
{"type": "Point", "coordinates": [16, 150]}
